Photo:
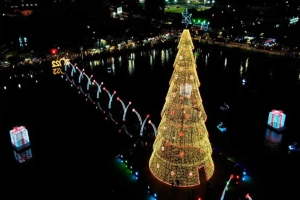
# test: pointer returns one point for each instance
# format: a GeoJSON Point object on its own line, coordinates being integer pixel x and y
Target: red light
{"type": "Point", "coordinates": [231, 176]}
{"type": "Point", "coordinates": [53, 51]}
{"type": "Point", "coordinates": [247, 196]}
{"type": "Point", "coordinates": [237, 177]}
{"type": "Point", "coordinates": [199, 198]}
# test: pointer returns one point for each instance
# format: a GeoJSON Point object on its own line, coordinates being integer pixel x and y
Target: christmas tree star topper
{"type": "Point", "coordinates": [186, 18]}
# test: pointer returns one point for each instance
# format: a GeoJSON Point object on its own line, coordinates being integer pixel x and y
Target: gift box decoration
{"type": "Point", "coordinates": [276, 119]}
{"type": "Point", "coordinates": [23, 156]}
{"type": "Point", "coordinates": [19, 137]}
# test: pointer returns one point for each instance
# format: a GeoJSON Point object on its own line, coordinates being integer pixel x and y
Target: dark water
{"type": "Point", "coordinates": [65, 134]}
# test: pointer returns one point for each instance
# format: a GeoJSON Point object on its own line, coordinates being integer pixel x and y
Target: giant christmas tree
{"type": "Point", "coordinates": [182, 146]}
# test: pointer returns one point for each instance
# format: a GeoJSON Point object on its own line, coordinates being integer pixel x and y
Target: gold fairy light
{"type": "Point", "coordinates": [182, 146]}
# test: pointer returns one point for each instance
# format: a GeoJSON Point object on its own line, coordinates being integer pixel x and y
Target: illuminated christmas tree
{"type": "Point", "coordinates": [182, 146]}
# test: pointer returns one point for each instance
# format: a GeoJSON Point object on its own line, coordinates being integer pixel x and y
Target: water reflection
{"type": "Point", "coordinates": [225, 62]}
{"type": "Point", "coordinates": [120, 61]}
{"type": "Point", "coordinates": [151, 60]}
{"type": "Point", "coordinates": [241, 69]}
{"type": "Point", "coordinates": [167, 55]}
{"type": "Point", "coordinates": [273, 140]}
{"type": "Point", "coordinates": [23, 156]}
{"type": "Point", "coordinates": [94, 63]}
{"type": "Point", "coordinates": [131, 67]}
{"type": "Point", "coordinates": [246, 64]}
{"type": "Point", "coordinates": [163, 57]}
{"type": "Point", "coordinates": [206, 60]}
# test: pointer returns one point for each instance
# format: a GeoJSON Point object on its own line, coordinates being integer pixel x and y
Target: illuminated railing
{"type": "Point", "coordinates": [70, 78]}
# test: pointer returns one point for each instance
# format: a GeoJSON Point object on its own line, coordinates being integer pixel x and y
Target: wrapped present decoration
{"type": "Point", "coordinates": [276, 119]}
{"type": "Point", "coordinates": [24, 156]}
{"type": "Point", "coordinates": [19, 137]}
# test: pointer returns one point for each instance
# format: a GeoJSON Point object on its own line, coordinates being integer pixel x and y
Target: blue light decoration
{"type": "Point", "coordinates": [125, 109]}
{"type": "Point", "coordinates": [293, 147]}
{"type": "Point", "coordinates": [226, 187]}
{"type": "Point", "coordinates": [99, 88]}
{"type": "Point", "coordinates": [111, 96]}
{"type": "Point", "coordinates": [244, 82]}
{"type": "Point", "coordinates": [24, 156]}
{"type": "Point", "coordinates": [186, 18]}
{"type": "Point", "coordinates": [153, 126]}
{"type": "Point", "coordinates": [294, 20]}
{"type": "Point", "coordinates": [143, 125]}
{"type": "Point", "coordinates": [19, 137]}
{"type": "Point", "coordinates": [276, 119]}
{"type": "Point", "coordinates": [89, 98]}
{"type": "Point", "coordinates": [80, 74]}
{"type": "Point", "coordinates": [224, 107]}
{"type": "Point", "coordinates": [222, 129]}
{"type": "Point", "coordinates": [138, 115]}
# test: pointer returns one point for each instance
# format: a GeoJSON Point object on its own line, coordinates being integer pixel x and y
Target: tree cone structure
{"type": "Point", "coordinates": [182, 147]}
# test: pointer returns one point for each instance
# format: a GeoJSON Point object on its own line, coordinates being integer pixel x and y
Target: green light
{"type": "Point", "coordinates": [199, 20]}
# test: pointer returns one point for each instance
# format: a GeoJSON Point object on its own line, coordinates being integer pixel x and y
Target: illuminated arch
{"type": "Point", "coordinates": [80, 75]}
{"type": "Point", "coordinates": [138, 115]}
{"type": "Point", "coordinates": [68, 64]}
{"type": "Point", "coordinates": [226, 187]}
{"type": "Point", "coordinates": [154, 127]}
{"type": "Point", "coordinates": [88, 78]}
{"type": "Point", "coordinates": [125, 109]}
{"type": "Point", "coordinates": [143, 125]}
{"type": "Point", "coordinates": [73, 71]}
{"type": "Point", "coordinates": [111, 96]}
{"type": "Point", "coordinates": [99, 88]}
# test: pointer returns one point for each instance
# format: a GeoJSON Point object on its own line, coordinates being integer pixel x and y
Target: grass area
{"type": "Point", "coordinates": [180, 9]}
{"type": "Point", "coordinates": [174, 9]}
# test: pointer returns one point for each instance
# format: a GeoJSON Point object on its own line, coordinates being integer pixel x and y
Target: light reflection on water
{"type": "Point", "coordinates": [164, 58]}
{"type": "Point", "coordinates": [273, 141]}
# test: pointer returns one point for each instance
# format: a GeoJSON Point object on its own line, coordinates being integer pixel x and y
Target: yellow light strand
{"type": "Point", "coordinates": [182, 146]}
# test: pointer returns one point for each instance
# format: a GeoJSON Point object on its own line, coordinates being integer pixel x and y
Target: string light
{"type": "Point", "coordinates": [182, 146]}
{"type": "Point", "coordinates": [226, 187]}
